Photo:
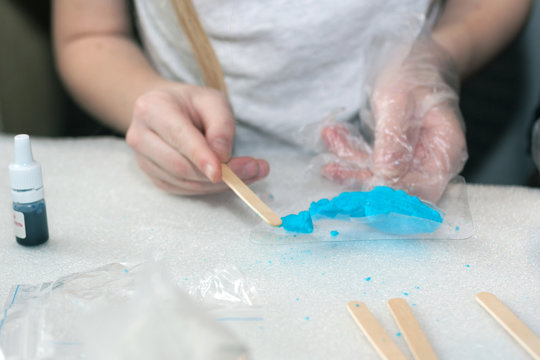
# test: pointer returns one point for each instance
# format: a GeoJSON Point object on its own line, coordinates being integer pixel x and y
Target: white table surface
{"type": "Point", "coordinates": [102, 209]}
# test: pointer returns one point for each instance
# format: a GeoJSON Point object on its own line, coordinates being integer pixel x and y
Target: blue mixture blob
{"type": "Point", "coordinates": [388, 210]}
{"type": "Point", "coordinates": [300, 223]}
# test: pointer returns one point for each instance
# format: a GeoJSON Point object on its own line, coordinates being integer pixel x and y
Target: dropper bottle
{"type": "Point", "coordinates": [29, 212]}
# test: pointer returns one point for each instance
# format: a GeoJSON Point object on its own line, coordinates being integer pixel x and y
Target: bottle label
{"type": "Point", "coordinates": [20, 227]}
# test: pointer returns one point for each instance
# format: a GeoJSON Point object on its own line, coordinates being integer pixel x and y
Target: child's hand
{"type": "Point", "coordinates": [419, 143]}
{"type": "Point", "coordinates": [181, 134]}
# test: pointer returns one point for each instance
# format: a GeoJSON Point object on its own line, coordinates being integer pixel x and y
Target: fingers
{"type": "Point", "coordinates": [248, 169]}
{"type": "Point", "coordinates": [353, 153]}
{"type": "Point", "coordinates": [173, 122]}
{"type": "Point", "coordinates": [177, 166]}
{"type": "Point", "coordinates": [342, 174]}
{"type": "Point", "coordinates": [342, 143]}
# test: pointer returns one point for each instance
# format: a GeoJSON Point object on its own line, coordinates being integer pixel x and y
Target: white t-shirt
{"type": "Point", "coordinates": [287, 63]}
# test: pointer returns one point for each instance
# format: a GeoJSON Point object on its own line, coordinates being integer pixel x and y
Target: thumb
{"type": "Point", "coordinates": [396, 134]}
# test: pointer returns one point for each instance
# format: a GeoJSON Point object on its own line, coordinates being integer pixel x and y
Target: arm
{"type": "Point", "coordinates": [473, 31]}
{"type": "Point", "coordinates": [96, 55]}
{"type": "Point", "coordinates": [180, 133]}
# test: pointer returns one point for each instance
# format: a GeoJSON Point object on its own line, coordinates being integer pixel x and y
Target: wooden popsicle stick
{"type": "Point", "coordinates": [376, 335]}
{"type": "Point", "coordinates": [248, 196]}
{"type": "Point", "coordinates": [511, 323]}
{"type": "Point", "coordinates": [410, 328]}
{"type": "Point", "coordinates": [213, 77]}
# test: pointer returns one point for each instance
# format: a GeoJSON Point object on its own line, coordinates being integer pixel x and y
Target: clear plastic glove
{"type": "Point", "coordinates": [418, 132]}
{"type": "Point", "coordinates": [181, 134]}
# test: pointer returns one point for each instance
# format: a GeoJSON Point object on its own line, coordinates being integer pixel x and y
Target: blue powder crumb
{"type": "Point", "coordinates": [388, 210]}
{"type": "Point", "coordinates": [468, 265]}
{"type": "Point", "coordinates": [300, 223]}
{"type": "Point", "coordinates": [406, 294]}
{"type": "Point", "coordinates": [126, 271]}
{"type": "Point", "coordinates": [297, 299]}
{"type": "Point", "coordinates": [368, 278]}
{"type": "Point", "coordinates": [357, 305]}
{"type": "Point", "coordinates": [334, 233]}
{"type": "Point", "coordinates": [398, 334]}
{"type": "Point", "coordinates": [307, 317]}
{"type": "Point", "coordinates": [457, 228]}
{"type": "Point", "coordinates": [417, 287]}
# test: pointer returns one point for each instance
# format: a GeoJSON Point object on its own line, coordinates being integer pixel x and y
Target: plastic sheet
{"type": "Point", "coordinates": [113, 312]}
{"type": "Point", "coordinates": [457, 223]}
{"type": "Point", "coordinates": [228, 294]}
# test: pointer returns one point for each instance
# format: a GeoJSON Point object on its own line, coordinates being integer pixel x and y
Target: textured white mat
{"type": "Point", "coordinates": [103, 209]}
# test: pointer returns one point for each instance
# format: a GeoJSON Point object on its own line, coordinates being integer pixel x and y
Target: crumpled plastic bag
{"type": "Point", "coordinates": [112, 312]}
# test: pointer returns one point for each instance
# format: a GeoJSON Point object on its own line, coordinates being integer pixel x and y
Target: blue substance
{"type": "Point", "coordinates": [334, 233]}
{"type": "Point", "coordinates": [300, 223]}
{"type": "Point", "coordinates": [388, 210]}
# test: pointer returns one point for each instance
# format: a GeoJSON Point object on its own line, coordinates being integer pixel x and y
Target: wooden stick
{"type": "Point", "coordinates": [414, 336]}
{"type": "Point", "coordinates": [249, 197]}
{"type": "Point", "coordinates": [213, 77]}
{"type": "Point", "coordinates": [376, 335]}
{"type": "Point", "coordinates": [200, 43]}
{"type": "Point", "coordinates": [511, 323]}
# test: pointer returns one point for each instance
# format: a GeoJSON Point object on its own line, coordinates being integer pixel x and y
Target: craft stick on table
{"type": "Point", "coordinates": [248, 196]}
{"type": "Point", "coordinates": [376, 335]}
{"type": "Point", "coordinates": [511, 323]}
{"type": "Point", "coordinates": [410, 328]}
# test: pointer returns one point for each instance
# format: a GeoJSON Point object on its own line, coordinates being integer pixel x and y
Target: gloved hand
{"type": "Point", "coordinates": [419, 142]}
{"type": "Point", "coordinates": [181, 133]}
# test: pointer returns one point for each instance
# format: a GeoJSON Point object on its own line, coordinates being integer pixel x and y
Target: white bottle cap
{"type": "Point", "coordinates": [25, 173]}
